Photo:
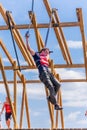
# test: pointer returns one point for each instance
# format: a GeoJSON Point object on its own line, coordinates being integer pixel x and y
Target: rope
{"type": "Point", "coordinates": [48, 30]}
{"type": "Point", "coordinates": [32, 5]}
{"type": "Point", "coordinates": [10, 27]}
{"type": "Point", "coordinates": [32, 10]}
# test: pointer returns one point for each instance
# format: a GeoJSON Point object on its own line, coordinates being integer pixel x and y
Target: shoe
{"type": "Point", "coordinates": [57, 107]}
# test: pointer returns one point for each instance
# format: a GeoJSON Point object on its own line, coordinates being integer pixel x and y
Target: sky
{"type": "Point", "coordinates": [74, 95]}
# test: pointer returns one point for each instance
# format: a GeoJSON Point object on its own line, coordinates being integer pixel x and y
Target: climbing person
{"type": "Point", "coordinates": [8, 112]}
{"type": "Point", "coordinates": [42, 62]}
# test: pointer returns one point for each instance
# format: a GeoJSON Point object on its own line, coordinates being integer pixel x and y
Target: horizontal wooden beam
{"type": "Point", "coordinates": [42, 25]}
{"type": "Point", "coordinates": [38, 81]}
{"type": "Point", "coordinates": [73, 80]}
{"type": "Point", "coordinates": [49, 129]}
{"type": "Point", "coordinates": [55, 66]}
{"type": "Point", "coordinates": [69, 66]}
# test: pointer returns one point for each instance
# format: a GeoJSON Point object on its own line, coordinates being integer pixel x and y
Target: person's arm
{"type": "Point", "coordinates": [2, 109]}
{"type": "Point", "coordinates": [28, 46]}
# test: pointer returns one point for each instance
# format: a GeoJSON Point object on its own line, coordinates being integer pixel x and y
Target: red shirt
{"type": "Point", "coordinates": [7, 107]}
{"type": "Point", "coordinates": [44, 60]}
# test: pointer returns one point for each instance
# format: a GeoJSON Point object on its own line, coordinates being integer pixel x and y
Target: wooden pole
{"type": "Point", "coordinates": [15, 92]}
{"type": "Point", "coordinates": [26, 105]}
{"type": "Point", "coordinates": [22, 105]}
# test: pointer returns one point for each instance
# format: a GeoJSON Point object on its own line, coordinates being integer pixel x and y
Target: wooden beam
{"type": "Point", "coordinates": [17, 37]}
{"type": "Point", "coordinates": [40, 25]}
{"type": "Point", "coordinates": [63, 38]}
{"type": "Point", "coordinates": [15, 92]}
{"type": "Point", "coordinates": [73, 80]}
{"type": "Point", "coordinates": [9, 57]}
{"type": "Point", "coordinates": [38, 81]}
{"type": "Point", "coordinates": [61, 112]}
{"type": "Point", "coordinates": [58, 35]}
{"type": "Point", "coordinates": [56, 66]}
{"type": "Point", "coordinates": [50, 109]}
{"type": "Point", "coordinates": [37, 34]}
{"type": "Point", "coordinates": [84, 43]}
{"type": "Point", "coordinates": [26, 104]}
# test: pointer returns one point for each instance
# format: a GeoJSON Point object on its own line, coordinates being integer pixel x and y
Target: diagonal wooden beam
{"type": "Point", "coordinates": [17, 37]}
{"type": "Point", "coordinates": [40, 43]}
{"type": "Point", "coordinates": [9, 57]}
{"type": "Point", "coordinates": [84, 43]}
{"type": "Point", "coordinates": [63, 38]}
{"type": "Point", "coordinates": [59, 36]}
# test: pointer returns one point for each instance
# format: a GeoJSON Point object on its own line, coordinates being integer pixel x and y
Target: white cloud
{"type": "Point", "coordinates": [77, 118]}
{"type": "Point", "coordinates": [31, 70]}
{"type": "Point", "coordinates": [82, 122]}
{"type": "Point", "coordinates": [5, 60]}
{"type": "Point", "coordinates": [74, 94]}
{"type": "Point", "coordinates": [73, 116]}
{"type": "Point", "coordinates": [36, 91]}
{"type": "Point", "coordinates": [70, 73]}
{"type": "Point", "coordinates": [74, 44]}
{"type": "Point", "coordinates": [36, 113]}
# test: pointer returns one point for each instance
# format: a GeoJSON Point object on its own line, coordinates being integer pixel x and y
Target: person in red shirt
{"type": "Point", "coordinates": [42, 62]}
{"type": "Point", "coordinates": [86, 113]}
{"type": "Point", "coordinates": [8, 112]}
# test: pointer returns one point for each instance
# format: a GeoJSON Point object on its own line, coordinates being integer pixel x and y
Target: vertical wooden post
{"type": "Point", "coordinates": [23, 101]}
{"type": "Point", "coordinates": [57, 112]}
{"type": "Point", "coordinates": [61, 112]}
{"type": "Point", "coordinates": [52, 70]}
{"type": "Point", "coordinates": [50, 110]}
{"type": "Point", "coordinates": [15, 91]}
{"type": "Point", "coordinates": [26, 106]}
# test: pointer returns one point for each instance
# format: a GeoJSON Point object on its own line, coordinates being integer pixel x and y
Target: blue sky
{"type": "Point", "coordinates": [74, 95]}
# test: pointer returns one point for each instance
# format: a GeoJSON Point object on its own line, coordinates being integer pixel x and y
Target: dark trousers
{"type": "Point", "coordinates": [8, 115]}
{"type": "Point", "coordinates": [50, 82]}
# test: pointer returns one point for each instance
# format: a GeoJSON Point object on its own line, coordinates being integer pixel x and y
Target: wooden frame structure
{"type": "Point", "coordinates": [57, 26]}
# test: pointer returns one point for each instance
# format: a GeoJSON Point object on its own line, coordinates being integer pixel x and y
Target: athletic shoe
{"type": "Point", "coordinates": [57, 107]}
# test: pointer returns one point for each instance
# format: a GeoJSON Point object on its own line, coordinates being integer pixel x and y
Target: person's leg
{"type": "Point", "coordinates": [55, 82]}
{"type": "Point", "coordinates": [56, 85]}
{"type": "Point", "coordinates": [8, 123]}
{"type": "Point", "coordinates": [8, 119]}
{"type": "Point", "coordinates": [44, 77]}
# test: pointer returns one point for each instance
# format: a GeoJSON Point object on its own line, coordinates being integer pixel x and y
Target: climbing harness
{"type": "Point", "coordinates": [10, 27]}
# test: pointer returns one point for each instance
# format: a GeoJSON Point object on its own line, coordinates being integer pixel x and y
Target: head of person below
{"type": "Point", "coordinates": [45, 51]}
